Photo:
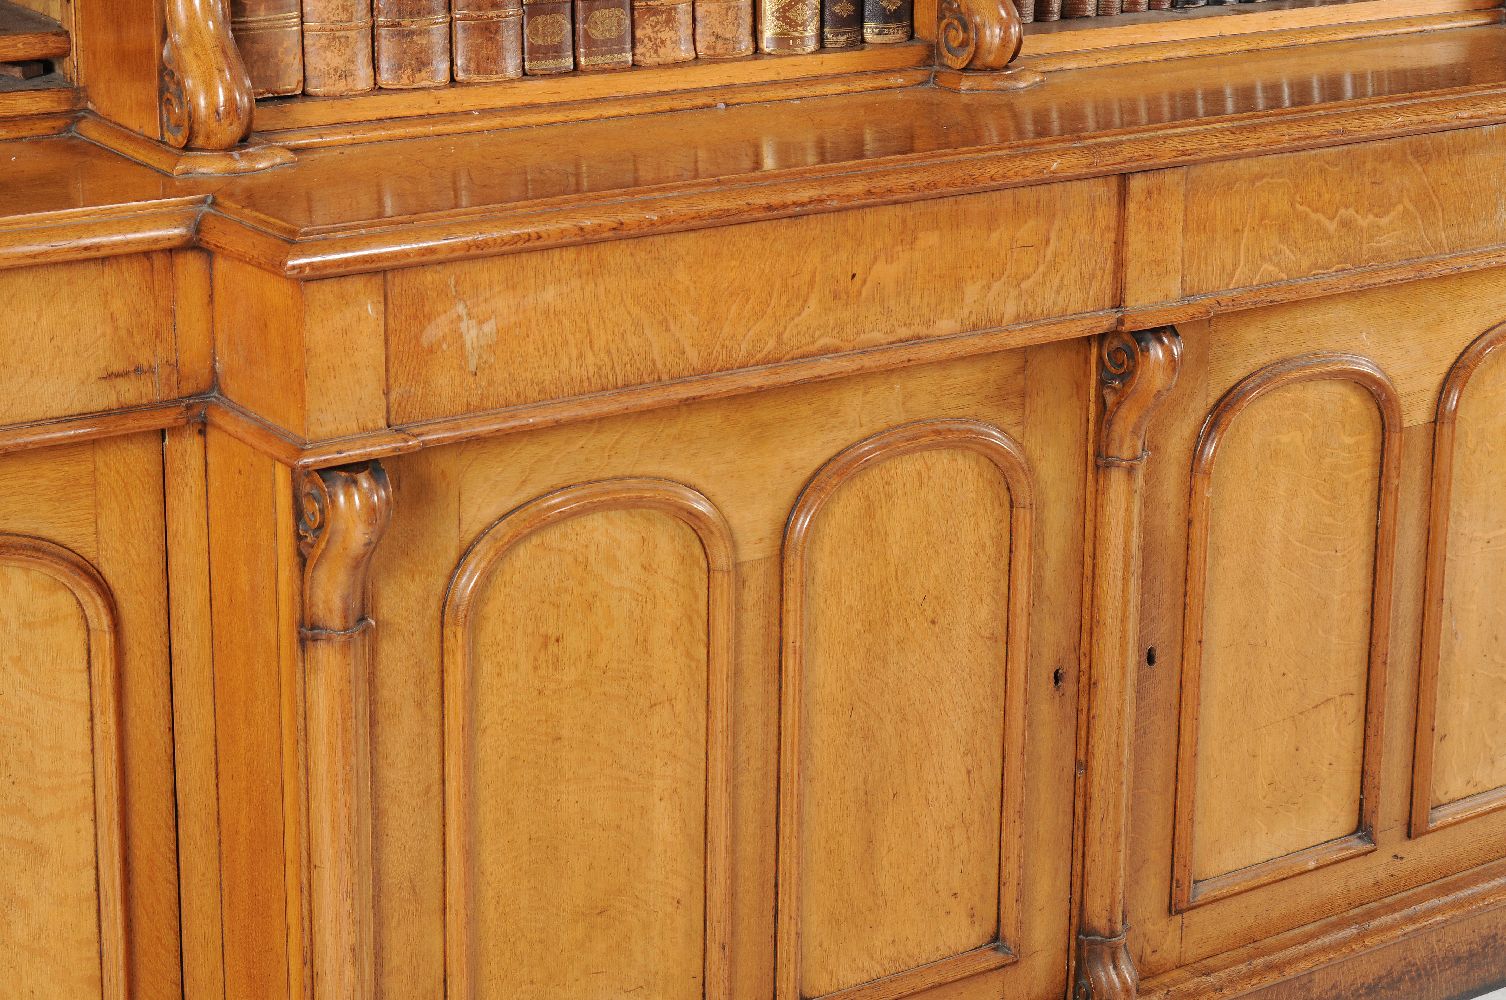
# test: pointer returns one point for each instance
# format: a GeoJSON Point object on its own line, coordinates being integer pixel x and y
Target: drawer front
{"type": "Point", "coordinates": [654, 693]}
{"type": "Point", "coordinates": [559, 323]}
{"type": "Point", "coordinates": [87, 336]}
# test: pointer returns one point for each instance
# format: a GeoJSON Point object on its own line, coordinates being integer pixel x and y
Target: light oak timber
{"type": "Point", "coordinates": [240, 158]}
{"type": "Point", "coordinates": [1136, 371]}
{"type": "Point", "coordinates": [27, 35]}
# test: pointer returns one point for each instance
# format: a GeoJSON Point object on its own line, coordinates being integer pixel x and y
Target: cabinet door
{"type": "Point", "coordinates": [88, 885]}
{"type": "Point", "coordinates": [1287, 531]}
{"type": "Point", "coordinates": [736, 699]}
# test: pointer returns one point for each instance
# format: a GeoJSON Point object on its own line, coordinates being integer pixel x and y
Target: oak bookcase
{"type": "Point", "coordinates": [1011, 515]}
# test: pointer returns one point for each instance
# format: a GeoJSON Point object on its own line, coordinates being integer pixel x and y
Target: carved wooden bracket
{"type": "Point", "coordinates": [1136, 371]}
{"type": "Point", "coordinates": [976, 40]}
{"type": "Point", "coordinates": [343, 514]}
{"type": "Point", "coordinates": [204, 96]}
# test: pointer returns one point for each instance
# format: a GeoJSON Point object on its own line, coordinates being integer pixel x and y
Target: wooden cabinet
{"type": "Point", "coordinates": [88, 845]}
{"type": "Point", "coordinates": [634, 678]}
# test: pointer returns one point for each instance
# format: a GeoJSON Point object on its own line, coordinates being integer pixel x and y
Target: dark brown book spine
{"type": "Point", "coordinates": [603, 34]}
{"type": "Point", "coordinates": [1134, 6]}
{"type": "Point", "coordinates": [1158, 5]}
{"type": "Point", "coordinates": [1108, 8]}
{"type": "Point", "coordinates": [269, 34]}
{"type": "Point", "coordinates": [1048, 10]}
{"type": "Point", "coordinates": [548, 41]}
{"type": "Point", "coordinates": [841, 24]}
{"type": "Point", "coordinates": [790, 26]}
{"type": "Point", "coordinates": [723, 29]}
{"type": "Point", "coordinates": [1026, 9]}
{"type": "Point", "coordinates": [412, 39]}
{"type": "Point", "coordinates": [487, 40]}
{"type": "Point", "coordinates": [887, 21]}
{"type": "Point", "coordinates": [337, 47]}
{"type": "Point", "coordinates": [1079, 8]}
{"type": "Point", "coordinates": [663, 32]}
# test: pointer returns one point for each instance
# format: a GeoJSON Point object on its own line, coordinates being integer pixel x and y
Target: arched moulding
{"type": "Point", "coordinates": [1006, 457]}
{"type": "Point", "coordinates": [1187, 890]}
{"type": "Point", "coordinates": [470, 579]}
{"type": "Point", "coordinates": [1425, 815]}
{"type": "Point", "coordinates": [97, 605]}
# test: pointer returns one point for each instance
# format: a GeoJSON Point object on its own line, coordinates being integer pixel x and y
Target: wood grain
{"type": "Point", "coordinates": [486, 335]}
{"type": "Point", "coordinates": [896, 623]}
{"type": "Point", "coordinates": [586, 772]}
{"type": "Point", "coordinates": [1457, 773]}
{"type": "Point", "coordinates": [1278, 766]}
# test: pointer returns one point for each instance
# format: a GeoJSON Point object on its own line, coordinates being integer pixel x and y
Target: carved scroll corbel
{"type": "Point", "coordinates": [1136, 371]}
{"type": "Point", "coordinates": [204, 95]}
{"type": "Point", "coordinates": [976, 40]}
{"type": "Point", "coordinates": [343, 514]}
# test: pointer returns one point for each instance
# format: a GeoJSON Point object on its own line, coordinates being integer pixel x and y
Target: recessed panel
{"type": "Point", "coordinates": [1286, 626]}
{"type": "Point", "coordinates": [903, 719]}
{"type": "Point", "coordinates": [50, 941]}
{"type": "Point", "coordinates": [588, 664]}
{"type": "Point", "coordinates": [1469, 748]}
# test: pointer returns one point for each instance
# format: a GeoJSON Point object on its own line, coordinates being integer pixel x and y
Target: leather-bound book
{"type": "Point", "coordinates": [663, 32]}
{"type": "Point", "coordinates": [1048, 10]}
{"type": "Point", "coordinates": [548, 38]}
{"type": "Point", "coordinates": [790, 26]}
{"type": "Point", "coordinates": [486, 39]}
{"type": "Point", "coordinates": [603, 34]}
{"type": "Point", "coordinates": [337, 47]}
{"type": "Point", "coordinates": [1079, 8]}
{"type": "Point", "coordinates": [841, 24]}
{"type": "Point", "coordinates": [412, 43]}
{"type": "Point", "coordinates": [1026, 10]}
{"type": "Point", "coordinates": [888, 21]}
{"type": "Point", "coordinates": [724, 28]}
{"type": "Point", "coordinates": [269, 34]}
{"type": "Point", "coordinates": [1108, 8]}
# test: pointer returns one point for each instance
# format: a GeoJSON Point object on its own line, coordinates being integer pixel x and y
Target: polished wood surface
{"type": "Point", "coordinates": [897, 543]}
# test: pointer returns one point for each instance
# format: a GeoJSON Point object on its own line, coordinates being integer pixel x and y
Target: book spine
{"type": "Point", "coordinates": [663, 32]}
{"type": "Point", "coordinates": [1079, 8]}
{"type": "Point", "coordinates": [887, 21]}
{"type": "Point", "coordinates": [412, 40]}
{"type": "Point", "coordinates": [486, 40]}
{"type": "Point", "coordinates": [1134, 6]}
{"type": "Point", "coordinates": [1108, 8]}
{"type": "Point", "coordinates": [603, 34]}
{"type": "Point", "coordinates": [1026, 10]}
{"type": "Point", "coordinates": [1048, 10]}
{"type": "Point", "coordinates": [337, 47]}
{"type": "Point", "coordinates": [841, 24]}
{"type": "Point", "coordinates": [723, 29]}
{"type": "Point", "coordinates": [269, 34]}
{"type": "Point", "coordinates": [1158, 5]}
{"type": "Point", "coordinates": [790, 26]}
{"type": "Point", "coordinates": [548, 40]}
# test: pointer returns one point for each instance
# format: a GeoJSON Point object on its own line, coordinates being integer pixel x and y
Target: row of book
{"type": "Point", "coordinates": [1052, 10]}
{"type": "Point", "coordinates": [339, 47]}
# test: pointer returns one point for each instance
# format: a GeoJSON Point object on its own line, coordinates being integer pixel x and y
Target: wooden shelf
{"type": "Point", "coordinates": [1202, 31]}
{"type": "Point", "coordinates": [27, 36]}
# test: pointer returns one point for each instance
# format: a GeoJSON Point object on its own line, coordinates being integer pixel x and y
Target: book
{"type": "Point", "coordinates": [887, 21]}
{"type": "Point", "coordinates": [790, 26]}
{"type": "Point", "coordinates": [269, 34]}
{"type": "Point", "coordinates": [412, 43]}
{"type": "Point", "coordinates": [603, 34]}
{"type": "Point", "coordinates": [841, 24]}
{"type": "Point", "coordinates": [337, 47]}
{"type": "Point", "coordinates": [548, 38]}
{"type": "Point", "coordinates": [486, 40]}
{"type": "Point", "coordinates": [663, 32]}
{"type": "Point", "coordinates": [724, 28]}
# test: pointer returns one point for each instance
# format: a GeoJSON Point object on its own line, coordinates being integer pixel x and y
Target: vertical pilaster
{"type": "Point", "coordinates": [343, 513]}
{"type": "Point", "coordinates": [1136, 371]}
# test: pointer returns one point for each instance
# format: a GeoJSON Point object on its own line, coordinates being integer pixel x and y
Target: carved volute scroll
{"type": "Point", "coordinates": [1136, 371]}
{"type": "Point", "coordinates": [343, 514]}
{"type": "Point", "coordinates": [205, 90]}
{"type": "Point", "coordinates": [976, 40]}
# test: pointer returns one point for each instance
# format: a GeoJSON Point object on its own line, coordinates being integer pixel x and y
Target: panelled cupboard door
{"type": "Point", "coordinates": [88, 885]}
{"type": "Point", "coordinates": [1293, 630]}
{"type": "Point", "coordinates": [653, 692]}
